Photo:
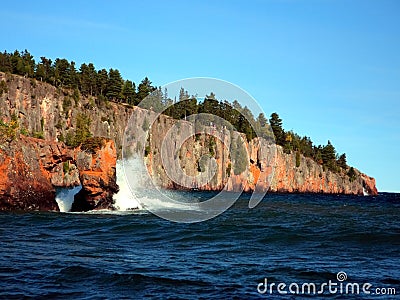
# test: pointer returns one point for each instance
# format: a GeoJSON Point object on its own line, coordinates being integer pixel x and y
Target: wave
{"type": "Point", "coordinates": [65, 197]}
{"type": "Point", "coordinates": [135, 194]}
{"type": "Point", "coordinates": [125, 199]}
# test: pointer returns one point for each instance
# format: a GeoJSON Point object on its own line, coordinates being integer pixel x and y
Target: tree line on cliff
{"type": "Point", "coordinates": [109, 85]}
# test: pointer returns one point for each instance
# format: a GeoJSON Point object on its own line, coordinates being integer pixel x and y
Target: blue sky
{"type": "Point", "coordinates": [330, 68]}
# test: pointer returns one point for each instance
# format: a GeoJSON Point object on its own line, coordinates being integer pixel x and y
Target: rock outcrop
{"type": "Point", "coordinates": [52, 113]}
{"type": "Point", "coordinates": [266, 166]}
{"type": "Point", "coordinates": [97, 173]}
{"type": "Point", "coordinates": [32, 168]}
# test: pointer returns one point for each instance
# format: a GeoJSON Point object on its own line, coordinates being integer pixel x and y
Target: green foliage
{"type": "Point", "coordinates": [88, 76]}
{"type": "Point", "coordinates": [147, 150]}
{"type": "Point", "coordinates": [276, 125]}
{"type": "Point", "coordinates": [92, 144]}
{"type": "Point", "coordinates": [82, 129]}
{"type": "Point", "coordinates": [297, 159]}
{"type": "Point", "coordinates": [290, 141]}
{"type": "Point", "coordinates": [109, 85]}
{"type": "Point", "coordinates": [9, 131]}
{"type": "Point", "coordinates": [38, 135]}
{"type": "Point", "coordinates": [342, 161]}
{"type": "Point", "coordinates": [128, 92]}
{"type": "Point", "coordinates": [144, 89]}
{"type": "Point", "coordinates": [76, 96]}
{"type": "Point", "coordinates": [24, 131]}
{"type": "Point", "coordinates": [66, 167]}
{"type": "Point", "coordinates": [352, 174]}
{"type": "Point", "coordinates": [66, 103]}
{"type": "Point", "coordinates": [82, 132]}
{"type": "Point", "coordinates": [70, 139]}
{"type": "Point", "coordinates": [114, 85]}
{"type": "Point", "coordinates": [328, 155]}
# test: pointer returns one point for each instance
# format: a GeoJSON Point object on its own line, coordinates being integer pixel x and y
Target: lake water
{"type": "Point", "coordinates": [285, 239]}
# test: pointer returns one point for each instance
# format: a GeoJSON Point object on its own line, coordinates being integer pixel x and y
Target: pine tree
{"type": "Point", "coordinates": [144, 89]}
{"type": "Point", "coordinates": [102, 81]}
{"type": "Point", "coordinates": [128, 91]}
{"type": "Point", "coordinates": [276, 125]}
{"type": "Point", "coordinates": [61, 72]}
{"type": "Point", "coordinates": [342, 161]}
{"type": "Point", "coordinates": [114, 85]}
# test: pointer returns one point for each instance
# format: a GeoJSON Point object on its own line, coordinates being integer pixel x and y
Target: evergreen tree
{"type": "Point", "coordinates": [29, 64]}
{"type": "Point", "coordinates": [73, 77]}
{"type": "Point", "coordinates": [61, 72]}
{"type": "Point", "coordinates": [102, 81]}
{"type": "Point", "coordinates": [342, 161]}
{"type": "Point", "coordinates": [88, 79]}
{"type": "Point", "coordinates": [44, 70]}
{"type": "Point", "coordinates": [329, 156]}
{"type": "Point", "coordinates": [183, 95]}
{"type": "Point", "coordinates": [114, 85]}
{"type": "Point", "coordinates": [262, 120]}
{"type": "Point", "coordinates": [5, 63]}
{"type": "Point", "coordinates": [144, 89]}
{"type": "Point", "coordinates": [82, 132]}
{"type": "Point", "coordinates": [128, 92]}
{"type": "Point", "coordinates": [276, 125]}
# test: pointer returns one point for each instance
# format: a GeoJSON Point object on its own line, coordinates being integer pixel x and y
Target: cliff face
{"type": "Point", "coordinates": [42, 108]}
{"type": "Point", "coordinates": [266, 166]}
{"type": "Point", "coordinates": [32, 168]}
{"type": "Point", "coordinates": [97, 173]}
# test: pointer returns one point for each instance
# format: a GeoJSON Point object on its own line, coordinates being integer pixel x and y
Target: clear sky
{"type": "Point", "coordinates": [330, 68]}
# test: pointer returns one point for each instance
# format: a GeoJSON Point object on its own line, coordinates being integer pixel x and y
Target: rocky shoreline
{"type": "Point", "coordinates": [32, 168]}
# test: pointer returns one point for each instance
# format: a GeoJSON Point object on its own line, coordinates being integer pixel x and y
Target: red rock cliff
{"type": "Point", "coordinates": [42, 107]}
{"type": "Point", "coordinates": [32, 168]}
{"type": "Point", "coordinates": [261, 162]}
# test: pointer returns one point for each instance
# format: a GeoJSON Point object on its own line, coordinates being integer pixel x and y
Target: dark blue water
{"type": "Point", "coordinates": [287, 238]}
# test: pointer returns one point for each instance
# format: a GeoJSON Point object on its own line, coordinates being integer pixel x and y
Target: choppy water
{"type": "Point", "coordinates": [287, 238]}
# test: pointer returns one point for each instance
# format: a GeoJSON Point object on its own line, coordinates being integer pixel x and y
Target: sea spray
{"type": "Point", "coordinates": [125, 199]}
{"type": "Point", "coordinates": [65, 197]}
{"type": "Point", "coordinates": [141, 193]}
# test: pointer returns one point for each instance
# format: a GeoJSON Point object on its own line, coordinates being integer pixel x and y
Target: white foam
{"type": "Point", "coordinates": [125, 199]}
{"type": "Point", "coordinates": [136, 196]}
{"type": "Point", "coordinates": [65, 197]}
{"type": "Point", "coordinates": [139, 192]}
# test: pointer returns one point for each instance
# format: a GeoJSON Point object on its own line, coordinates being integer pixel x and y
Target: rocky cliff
{"type": "Point", "coordinates": [32, 168]}
{"type": "Point", "coordinates": [51, 113]}
{"type": "Point", "coordinates": [174, 153]}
